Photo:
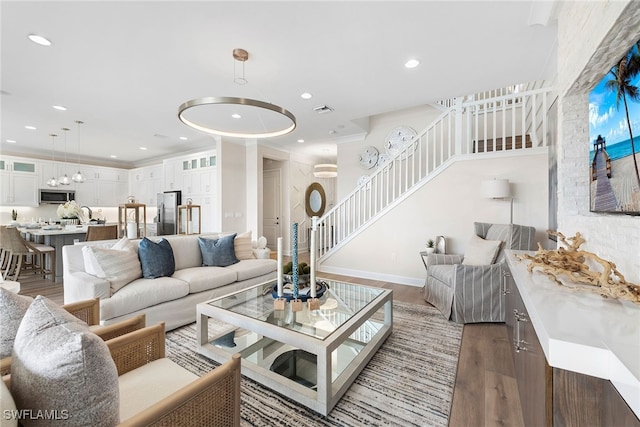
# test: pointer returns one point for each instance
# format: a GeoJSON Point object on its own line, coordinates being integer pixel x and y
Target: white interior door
{"type": "Point", "coordinates": [272, 215]}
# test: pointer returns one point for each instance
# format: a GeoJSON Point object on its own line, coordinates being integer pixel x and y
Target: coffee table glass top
{"type": "Point", "coordinates": [338, 304]}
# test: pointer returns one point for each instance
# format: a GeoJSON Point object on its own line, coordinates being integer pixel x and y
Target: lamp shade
{"type": "Point", "coordinates": [496, 188]}
{"type": "Point", "coordinates": [325, 170]}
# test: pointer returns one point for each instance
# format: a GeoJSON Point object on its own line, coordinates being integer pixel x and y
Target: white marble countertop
{"type": "Point", "coordinates": [71, 229]}
{"type": "Point", "coordinates": [583, 332]}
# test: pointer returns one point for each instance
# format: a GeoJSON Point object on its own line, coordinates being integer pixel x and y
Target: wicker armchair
{"type": "Point", "coordinates": [212, 400]}
{"type": "Point", "coordinates": [89, 312]}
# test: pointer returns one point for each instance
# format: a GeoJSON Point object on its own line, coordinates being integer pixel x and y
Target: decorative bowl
{"type": "Point", "coordinates": [303, 294]}
{"type": "Point", "coordinates": [303, 279]}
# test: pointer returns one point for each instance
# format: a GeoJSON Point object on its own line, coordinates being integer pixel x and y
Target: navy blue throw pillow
{"type": "Point", "coordinates": [218, 252]}
{"type": "Point", "coordinates": [156, 259]}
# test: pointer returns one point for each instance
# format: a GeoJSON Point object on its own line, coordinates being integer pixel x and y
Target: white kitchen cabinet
{"type": "Point", "coordinates": [103, 187]}
{"type": "Point", "coordinates": [145, 183]}
{"type": "Point", "coordinates": [19, 182]}
{"type": "Point", "coordinates": [173, 175]}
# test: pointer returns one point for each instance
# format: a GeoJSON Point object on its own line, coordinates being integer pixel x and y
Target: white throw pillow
{"type": "Point", "coordinates": [242, 246]}
{"type": "Point", "coordinates": [481, 251]}
{"type": "Point", "coordinates": [59, 365]}
{"type": "Point", "coordinates": [119, 265]}
{"type": "Point", "coordinates": [91, 264]}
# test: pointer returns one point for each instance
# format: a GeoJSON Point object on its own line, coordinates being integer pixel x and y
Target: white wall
{"type": "Point", "coordinates": [591, 37]}
{"type": "Point", "coordinates": [232, 191]}
{"type": "Point", "coordinates": [447, 205]}
{"type": "Point", "coordinates": [349, 169]}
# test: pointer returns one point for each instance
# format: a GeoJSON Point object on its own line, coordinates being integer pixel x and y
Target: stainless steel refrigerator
{"type": "Point", "coordinates": [168, 212]}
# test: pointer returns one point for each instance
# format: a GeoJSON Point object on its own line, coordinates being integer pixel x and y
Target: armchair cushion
{"type": "Point", "coordinates": [481, 251]}
{"type": "Point", "coordinates": [150, 383]}
{"type": "Point", "coordinates": [156, 259]}
{"type": "Point", "coordinates": [12, 310]}
{"type": "Point", "coordinates": [57, 363]}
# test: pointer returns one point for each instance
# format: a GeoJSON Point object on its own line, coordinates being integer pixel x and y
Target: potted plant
{"type": "Point", "coordinates": [431, 246]}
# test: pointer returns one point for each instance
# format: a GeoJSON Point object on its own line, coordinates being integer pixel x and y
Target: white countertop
{"type": "Point", "coordinates": [583, 332]}
{"type": "Point", "coordinates": [72, 229]}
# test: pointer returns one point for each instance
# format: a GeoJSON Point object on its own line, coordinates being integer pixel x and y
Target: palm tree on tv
{"type": "Point", "coordinates": [624, 72]}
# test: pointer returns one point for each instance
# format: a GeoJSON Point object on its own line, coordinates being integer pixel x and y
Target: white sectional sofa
{"type": "Point", "coordinates": [172, 299]}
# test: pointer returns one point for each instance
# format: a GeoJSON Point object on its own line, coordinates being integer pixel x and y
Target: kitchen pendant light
{"type": "Point", "coordinates": [78, 177]}
{"type": "Point", "coordinates": [53, 182]}
{"type": "Point", "coordinates": [64, 180]}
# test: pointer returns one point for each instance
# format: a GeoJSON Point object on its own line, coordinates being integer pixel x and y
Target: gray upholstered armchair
{"type": "Point", "coordinates": [468, 288]}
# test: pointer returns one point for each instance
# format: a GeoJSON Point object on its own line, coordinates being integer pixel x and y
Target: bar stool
{"type": "Point", "coordinates": [20, 255]}
{"type": "Point", "coordinates": [102, 232]}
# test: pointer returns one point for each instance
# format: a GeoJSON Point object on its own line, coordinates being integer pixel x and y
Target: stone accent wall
{"type": "Point", "coordinates": [591, 37]}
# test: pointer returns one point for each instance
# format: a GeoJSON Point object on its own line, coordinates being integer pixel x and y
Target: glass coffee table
{"type": "Point", "coordinates": [309, 356]}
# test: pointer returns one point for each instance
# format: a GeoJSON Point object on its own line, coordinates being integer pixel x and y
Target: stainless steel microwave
{"type": "Point", "coordinates": [56, 196]}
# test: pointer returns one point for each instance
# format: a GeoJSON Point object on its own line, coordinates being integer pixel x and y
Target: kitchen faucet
{"type": "Point", "coordinates": [88, 210]}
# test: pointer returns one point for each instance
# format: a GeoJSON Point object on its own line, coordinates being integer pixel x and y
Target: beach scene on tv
{"type": "Point", "coordinates": [614, 131]}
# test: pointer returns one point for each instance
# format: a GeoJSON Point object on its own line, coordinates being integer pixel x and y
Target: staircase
{"type": "Point", "coordinates": [472, 126]}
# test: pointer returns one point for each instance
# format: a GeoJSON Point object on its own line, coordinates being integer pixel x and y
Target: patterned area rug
{"type": "Point", "coordinates": [408, 382]}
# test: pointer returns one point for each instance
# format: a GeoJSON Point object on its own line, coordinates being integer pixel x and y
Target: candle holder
{"type": "Point", "coordinates": [279, 303]}
{"type": "Point", "coordinates": [296, 305]}
{"type": "Point", "coordinates": [300, 287]}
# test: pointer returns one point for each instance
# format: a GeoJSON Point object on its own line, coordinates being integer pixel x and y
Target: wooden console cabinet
{"type": "Point", "coordinates": [553, 396]}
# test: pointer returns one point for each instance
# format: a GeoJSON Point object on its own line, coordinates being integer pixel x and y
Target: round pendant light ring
{"type": "Point", "coordinates": [246, 102]}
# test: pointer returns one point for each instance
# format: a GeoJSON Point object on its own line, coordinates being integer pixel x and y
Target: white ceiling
{"type": "Point", "coordinates": [124, 67]}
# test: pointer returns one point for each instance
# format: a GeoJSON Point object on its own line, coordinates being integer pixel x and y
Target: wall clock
{"type": "Point", "coordinates": [398, 139]}
{"type": "Point", "coordinates": [369, 157]}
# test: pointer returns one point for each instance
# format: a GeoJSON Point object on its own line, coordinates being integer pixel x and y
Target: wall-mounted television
{"type": "Point", "coordinates": [614, 132]}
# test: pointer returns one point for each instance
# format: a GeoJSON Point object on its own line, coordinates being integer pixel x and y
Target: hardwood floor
{"type": "Point", "coordinates": [485, 392]}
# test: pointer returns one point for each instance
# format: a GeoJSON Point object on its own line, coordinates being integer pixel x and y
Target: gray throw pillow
{"type": "Point", "coordinates": [59, 366]}
{"type": "Point", "coordinates": [12, 310]}
{"type": "Point", "coordinates": [156, 259]}
{"type": "Point", "coordinates": [218, 252]}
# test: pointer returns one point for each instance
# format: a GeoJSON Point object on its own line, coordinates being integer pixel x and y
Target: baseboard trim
{"type": "Point", "coordinates": [402, 280]}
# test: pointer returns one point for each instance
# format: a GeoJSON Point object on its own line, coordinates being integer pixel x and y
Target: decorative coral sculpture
{"type": "Point", "coordinates": [572, 264]}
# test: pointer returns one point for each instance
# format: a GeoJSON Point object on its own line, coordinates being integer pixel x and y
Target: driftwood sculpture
{"type": "Point", "coordinates": [572, 264]}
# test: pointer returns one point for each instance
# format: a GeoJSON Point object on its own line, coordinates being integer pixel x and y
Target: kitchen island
{"type": "Point", "coordinates": [57, 239]}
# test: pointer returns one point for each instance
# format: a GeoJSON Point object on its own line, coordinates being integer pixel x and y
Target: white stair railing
{"type": "Point", "coordinates": [513, 121]}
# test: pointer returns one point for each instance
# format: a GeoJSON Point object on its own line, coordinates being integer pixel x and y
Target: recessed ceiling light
{"type": "Point", "coordinates": [113, 156]}
{"type": "Point", "coordinates": [143, 148]}
{"type": "Point", "coordinates": [11, 141]}
{"type": "Point", "coordinates": [301, 141]}
{"type": "Point", "coordinates": [236, 116]}
{"type": "Point", "coordinates": [183, 138]}
{"type": "Point", "coordinates": [306, 95]}
{"type": "Point", "coordinates": [30, 127]}
{"type": "Point", "coordinates": [412, 63]}
{"type": "Point", "coordinates": [60, 107]}
{"type": "Point", "coordinates": [39, 40]}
